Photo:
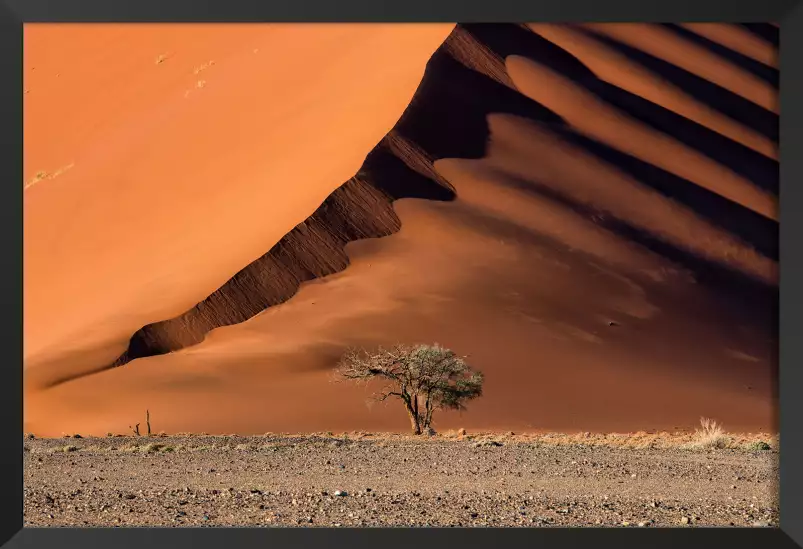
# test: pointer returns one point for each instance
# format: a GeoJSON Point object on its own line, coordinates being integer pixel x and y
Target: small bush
{"type": "Point", "coordinates": [710, 435]}
{"type": "Point", "coordinates": [153, 447]}
{"type": "Point", "coordinates": [760, 446]}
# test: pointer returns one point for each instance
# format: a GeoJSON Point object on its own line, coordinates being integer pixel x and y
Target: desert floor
{"type": "Point", "coordinates": [392, 480]}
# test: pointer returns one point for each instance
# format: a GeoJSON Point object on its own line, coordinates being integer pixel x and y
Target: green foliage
{"type": "Point", "coordinates": [760, 446]}
{"type": "Point", "coordinates": [425, 377]}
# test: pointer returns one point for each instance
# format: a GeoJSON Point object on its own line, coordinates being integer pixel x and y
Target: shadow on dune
{"type": "Point", "coordinates": [747, 296]}
{"type": "Point", "coordinates": [756, 167]}
{"type": "Point", "coordinates": [766, 31]}
{"type": "Point", "coordinates": [447, 118]}
{"type": "Point", "coordinates": [507, 39]}
{"type": "Point", "coordinates": [718, 98]}
{"type": "Point", "coordinates": [751, 227]}
{"type": "Point", "coordinates": [769, 74]}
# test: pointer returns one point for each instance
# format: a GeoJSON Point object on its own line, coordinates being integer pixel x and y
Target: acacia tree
{"type": "Point", "coordinates": [424, 377]}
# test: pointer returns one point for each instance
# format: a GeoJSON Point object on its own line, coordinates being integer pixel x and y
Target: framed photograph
{"type": "Point", "coordinates": [354, 273]}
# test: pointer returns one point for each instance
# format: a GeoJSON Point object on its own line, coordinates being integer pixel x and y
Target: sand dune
{"type": "Point", "coordinates": [184, 171]}
{"type": "Point", "coordinates": [553, 204]}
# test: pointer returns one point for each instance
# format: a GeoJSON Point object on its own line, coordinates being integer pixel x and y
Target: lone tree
{"type": "Point", "coordinates": [424, 377]}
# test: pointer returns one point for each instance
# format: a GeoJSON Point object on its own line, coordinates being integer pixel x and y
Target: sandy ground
{"type": "Point", "coordinates": [551, 270]}
{"type": "Point", "coordinates": [361, 480]}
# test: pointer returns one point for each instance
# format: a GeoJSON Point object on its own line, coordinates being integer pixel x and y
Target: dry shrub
{"type": "Point", "coordinates": [154, 447]}
{"type": "Point", "coordinates": [710, 435]}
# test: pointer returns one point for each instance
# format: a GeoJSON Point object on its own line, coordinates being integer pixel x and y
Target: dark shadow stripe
{"type": "Point", "coordinates": [769, 74]}
{"type": "Point", "coordinates": [728, 103]}
{"type": "Point", "coordinates": [765, 31]}
{"type": "Point", "coordinates": [763, 171]}
{"type": "Point", "coordinates": [739, 292]}
{"type": "Point", "coordinates": [752, 228]}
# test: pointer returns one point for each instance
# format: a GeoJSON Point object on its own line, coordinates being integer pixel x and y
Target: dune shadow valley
{"type": "Point", "coordinates": [216, 214]}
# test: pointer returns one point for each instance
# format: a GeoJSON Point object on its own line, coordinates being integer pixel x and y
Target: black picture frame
{"type": "Point", "coordinates": [788, 13]}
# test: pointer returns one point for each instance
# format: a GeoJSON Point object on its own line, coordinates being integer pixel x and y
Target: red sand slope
{"type": "Point", "coordinates": [545, 244]}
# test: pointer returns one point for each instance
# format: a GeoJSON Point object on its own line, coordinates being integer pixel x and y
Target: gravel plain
{"type": "Point", "coordinates": [386, 480]}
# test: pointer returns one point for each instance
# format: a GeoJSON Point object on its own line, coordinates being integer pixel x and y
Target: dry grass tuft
{"type": "Point", "coordinates": [710, 435]}
{"type": "Point", "coordinates": [68, 448]}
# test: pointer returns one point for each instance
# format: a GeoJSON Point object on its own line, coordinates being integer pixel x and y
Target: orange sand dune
{"type": "Point", "coordinates": [591, 296]}
{"type": "Point", "coordinates": [519, 305]}
{"type": "Point", "coordinates": [190, 149]}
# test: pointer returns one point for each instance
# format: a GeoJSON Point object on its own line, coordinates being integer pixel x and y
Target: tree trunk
{"type": "Point", "coordinates": [415, 424]}
{"type": "Point", "coordinates": [427, 413]}
{"type": "Point", "coordinates": [427, 419]}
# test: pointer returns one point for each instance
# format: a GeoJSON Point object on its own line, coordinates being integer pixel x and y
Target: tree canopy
{"type": "Point", "coordinates": [424, 377]}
